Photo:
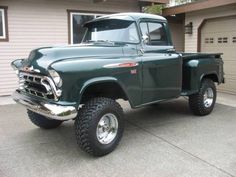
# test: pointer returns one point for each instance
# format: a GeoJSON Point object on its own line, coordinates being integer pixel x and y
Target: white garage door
{"type": "Point", "coordinates": [219, 35]}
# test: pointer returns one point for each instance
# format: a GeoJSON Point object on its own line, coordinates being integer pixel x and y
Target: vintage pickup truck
{"type": "Point", "coordinates": [126, 56]}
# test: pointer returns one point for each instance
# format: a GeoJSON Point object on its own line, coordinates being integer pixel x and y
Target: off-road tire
{"type": "Point", "coordinates": [87, 121]}
{"type": "Point", "coordinates": [43, 122]}
{"type": "Point", "coordinates": [196, 101]}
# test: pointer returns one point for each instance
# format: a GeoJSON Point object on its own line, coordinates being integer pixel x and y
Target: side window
{"type": "Point", "coordinates": [156, 33]}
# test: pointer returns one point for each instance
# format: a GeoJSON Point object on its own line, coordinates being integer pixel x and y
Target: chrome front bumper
{"type": "Point", "coordinates": [52, 111]}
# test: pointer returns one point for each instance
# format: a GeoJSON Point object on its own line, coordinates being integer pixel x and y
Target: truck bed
{"type": "Point", "coordinates": [209, 65]}
{"type": "Point", "coordinates": [200, 55]}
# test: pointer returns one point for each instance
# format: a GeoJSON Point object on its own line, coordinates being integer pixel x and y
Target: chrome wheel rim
{"type": "Point", "coordinates": [208, 97]}
{"type": "Point", "coordinates": [107, 128]}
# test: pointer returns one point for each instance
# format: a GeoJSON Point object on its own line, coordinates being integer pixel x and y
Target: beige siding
{"type": "Point", "coordinates": [177, 33]}
{"type": "Point", "coordinates": [197, 18]}
{"type": "Point", "coordinates": [39, 23]}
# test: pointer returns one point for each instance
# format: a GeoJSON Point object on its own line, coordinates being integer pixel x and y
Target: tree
{"type": "Point", "coordinates": [154, 9]}
{"type": "Point", "coordinates": [157, 9]}
{"type": "Point", "coordinates": [179, 2]}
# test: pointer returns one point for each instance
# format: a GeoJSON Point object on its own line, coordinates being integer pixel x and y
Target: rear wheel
{"type": "Point", "coordinates": [99, 126]}
{"type": "Point", "coordinates": [203, 102]}
{"type": "Point", "coordinates": [43, 122]}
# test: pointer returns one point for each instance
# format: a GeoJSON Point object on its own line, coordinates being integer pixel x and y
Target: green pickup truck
{"type": "Point", "coordinates": [126, 56]}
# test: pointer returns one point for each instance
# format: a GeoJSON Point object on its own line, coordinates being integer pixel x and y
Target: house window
{"type": "Point", "coordinates": [209, 40]}
{"type": "Point", "coordinates": [76, 28]}
{"type": "Point", "coordinates": [222, 40]}
{"type": "Point", "coordinates": [3, 24]}
{"type": "Point", "coordinates": [225, 39]}
{"type": "Point", "coordinates": [234, 40]}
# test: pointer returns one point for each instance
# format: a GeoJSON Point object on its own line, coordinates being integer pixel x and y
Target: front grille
{"type": "Point", "coordinates": [37, 85]}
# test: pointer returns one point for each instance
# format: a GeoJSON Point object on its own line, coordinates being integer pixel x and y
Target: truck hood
{"type": "Point", "coordinates": [40, 59]}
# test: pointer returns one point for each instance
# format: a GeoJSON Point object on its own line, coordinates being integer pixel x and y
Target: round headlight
{"type": "Point", "coordinates": [56, 78]}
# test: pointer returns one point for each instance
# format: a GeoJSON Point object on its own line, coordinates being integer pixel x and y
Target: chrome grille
{"type": "Point", "coordinates": [38, 85]}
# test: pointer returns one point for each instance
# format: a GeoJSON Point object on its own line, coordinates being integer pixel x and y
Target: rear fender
{"type": "Point", "coordinates": [196, 70]}
{"type": "Point", "coordinates": [212, 75]}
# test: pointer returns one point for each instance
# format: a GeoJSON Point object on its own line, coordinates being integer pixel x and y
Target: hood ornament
{"type": "Point", "coordinates": [30, 69]}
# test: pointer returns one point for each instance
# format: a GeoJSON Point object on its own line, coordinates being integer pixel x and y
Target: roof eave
{"type": "Point", "coordinates": [198, 5]}
{"type": "Point", "coordinates": [154, 1]}
{"type": "Point", "coordinates": [148, 1]}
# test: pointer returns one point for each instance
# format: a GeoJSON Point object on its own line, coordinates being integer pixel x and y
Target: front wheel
{"type": "Point", "coordinates": [203, 102]}
{"type": "Point", "coordinates": [99, 126]}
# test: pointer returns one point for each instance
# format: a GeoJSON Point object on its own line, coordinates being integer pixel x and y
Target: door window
{"type": "Point", "coordinates": [156, 33]}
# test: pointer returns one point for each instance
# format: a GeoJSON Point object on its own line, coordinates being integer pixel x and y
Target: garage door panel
{"type": "Point", "coordinates": [230, 67]}
{"type": "Point", "coordinates": [228, 87]}
{"type": "Point", "coordinates": [219, 36]}
{"type": "Point", "coordinates": [230, 77]}
{"type": "Point", "coordinates": [218, 25]}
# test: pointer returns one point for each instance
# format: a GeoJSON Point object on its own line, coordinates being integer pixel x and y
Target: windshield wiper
{"type": "Point", "coordinates": [107, 42]}
{"type": "Point", "coordinates": [99, 41]}
{"type": "Point", "coordinates": [119, 42]}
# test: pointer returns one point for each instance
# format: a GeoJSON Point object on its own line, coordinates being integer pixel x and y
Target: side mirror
{"type": "Point", "coordinates": [145, 39]}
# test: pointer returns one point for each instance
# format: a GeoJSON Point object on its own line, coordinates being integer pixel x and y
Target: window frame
{"type": "Point", "coordinates": [70, 21]}
{"type": "Point", "coordinates": [163, 23]}
{"type": "Point", "coordinates": [5, 37]}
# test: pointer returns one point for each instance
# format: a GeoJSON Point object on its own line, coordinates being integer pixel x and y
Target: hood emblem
{"type": "Point", "coordinates": [30, 69]}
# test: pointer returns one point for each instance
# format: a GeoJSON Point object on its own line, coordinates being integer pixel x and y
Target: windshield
{"type": "Point", "coordinates": [111, 30]}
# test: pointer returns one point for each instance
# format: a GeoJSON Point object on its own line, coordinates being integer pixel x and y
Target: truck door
{"type": "Point", "coordinates": [161, 66]}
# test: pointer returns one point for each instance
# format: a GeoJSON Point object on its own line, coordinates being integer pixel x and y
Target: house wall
{"type": "Point", "coordinates": [39, 23]}
{"type": "Point", "coordinates": [197, 18]}
{"type": "Point", "coordinates": [177, 34]}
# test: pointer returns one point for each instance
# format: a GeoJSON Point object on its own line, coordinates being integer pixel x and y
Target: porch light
{"type": "Point", "coordinates": [189, 28]}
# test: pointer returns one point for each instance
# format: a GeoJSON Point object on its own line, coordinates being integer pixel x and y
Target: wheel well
{"type": "Point", "coordinates": [107, 89]}
{"type": "Point", "coordinates": [213, 77]}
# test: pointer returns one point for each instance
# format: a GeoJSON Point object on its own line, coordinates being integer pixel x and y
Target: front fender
{"type": "Point", "coordinates": [97, 80]}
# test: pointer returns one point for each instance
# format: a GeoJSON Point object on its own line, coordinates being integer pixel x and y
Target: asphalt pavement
{"type": "Point", "coordinates": [163, 140]}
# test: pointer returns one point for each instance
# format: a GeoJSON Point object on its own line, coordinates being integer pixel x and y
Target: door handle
{"type": "Point", "coordinates": [171, 50]}
{"type": "Point", "coordinates": [140, 52]}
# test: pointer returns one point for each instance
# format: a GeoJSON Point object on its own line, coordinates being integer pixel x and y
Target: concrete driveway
{"type": "Point", "coordinates": [160, 140]}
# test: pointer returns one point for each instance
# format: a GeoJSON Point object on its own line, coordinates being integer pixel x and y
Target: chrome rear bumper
{"type": "Point", "coordinates": [52, 111]}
